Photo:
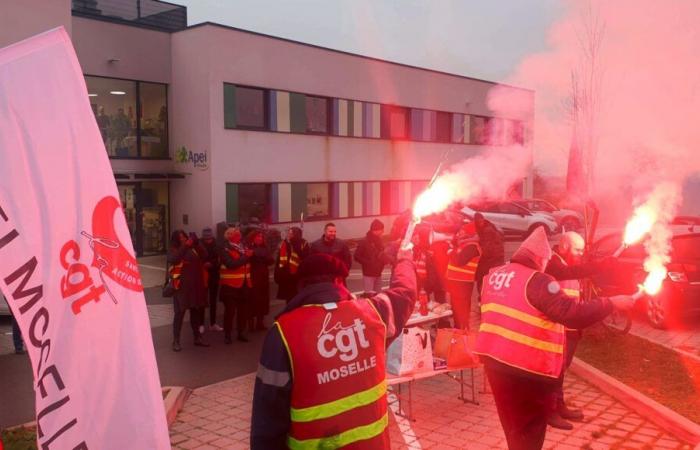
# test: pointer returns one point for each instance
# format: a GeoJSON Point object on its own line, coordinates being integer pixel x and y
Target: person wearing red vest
{"type": "Point", "coordinates": [235, 283]}
{"type": "Point", "coordinates": [321, 382]}
{"type": "Point", "coordinates": [521, 338]}
{"type": "Point", "coordinates": [461, 273]}
{"type": "Point", "coordinates": [567, 267]}
{"type": "Point", "coordinates": [291, 253]}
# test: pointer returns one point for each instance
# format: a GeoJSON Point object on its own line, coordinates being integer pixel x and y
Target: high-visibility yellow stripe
{"type": "Point", "coordinates": [572, 292]}
{"type": "Point", "coordinates": [521, 338]}
{"type": "Point", "coordinates": [459, 269]}
{"type": "Point", "coordinates": [286, 345]}
{"type": "Point", "coordinates": [232, 275]}
{"type": "Point", "coordinates": [339, 406]}
{"type": "Point", "coordinates": [345, 438]}
{"type": "Point", "coordinates": [521, 316]}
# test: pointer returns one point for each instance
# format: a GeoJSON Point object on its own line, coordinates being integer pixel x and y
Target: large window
{"type": "Point", "coordinates": [244, 107]}
{"type": "Point", "coordinates": [254, 202]}
{"type": "Point", "coordinates": [126, 132]}
{"type": "Point", "coordinates": [394, 122]}
{"type": "Point", "coordinates": [317, 200]}
{"type": "Point", "coordinates": [316, 114]}
{"type": "Point", "coordinates": [443, 127]}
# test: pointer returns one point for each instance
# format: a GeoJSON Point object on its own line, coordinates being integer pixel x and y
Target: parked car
{"type": "Point", "coordinates": [680, 292]}
{"type": "Point", "coordinates": [4, 307]}
{"type": "Point", "coordinates": [512, 219]}
{"type": "Point", "coordinates": [568, 219]}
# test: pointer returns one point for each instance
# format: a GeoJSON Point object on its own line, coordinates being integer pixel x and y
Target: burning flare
{"type": "Point", "coordinates": [654, 280]}
{"type": "Point", "coordinates": [640, 224]}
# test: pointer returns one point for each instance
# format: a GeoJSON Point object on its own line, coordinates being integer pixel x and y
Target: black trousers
{"type": "Point", "coordinates": [522, 405]}
{"type": "Point", "coordinates": [236, 304]}
{"type": "Point", "coordinates": [213, 297]}
{"type": "Point", "coordinates": [572, 339]}
{"type": "Point", "coordinates": [179, 317]}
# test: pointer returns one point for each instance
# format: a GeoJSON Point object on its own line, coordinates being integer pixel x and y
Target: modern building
{"type": "Point", "coordinates": [209, 123]}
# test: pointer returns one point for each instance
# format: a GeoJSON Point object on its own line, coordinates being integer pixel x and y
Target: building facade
{"type": "Point", "coordinates": [209, 123]}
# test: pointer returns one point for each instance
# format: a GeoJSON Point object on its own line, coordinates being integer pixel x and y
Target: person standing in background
{"type": "Point", "coordinates": [331, 245]}
{"type": "Point", "coordinates": [211, 265]}
{"type": "Point", "coordinates": [260, 262]}
{"type": "Point", "coordinates": [492, 249]}
{"type": "Point", "coordinates": [235, 284]}
{"type": "Point", "coordinates": [461, 271]}
{"type": "Point", "coordinates": [292, 252]}
{"type": "Point", "coordinates": [371, 256]}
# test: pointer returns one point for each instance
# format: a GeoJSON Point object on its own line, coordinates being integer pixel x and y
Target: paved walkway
{"type": "Point", "coordinates": [686, 340]}
{"type": "Point", "coordinates": [218, 417]}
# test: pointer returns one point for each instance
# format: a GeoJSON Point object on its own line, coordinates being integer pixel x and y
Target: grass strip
{"type": "Point", "coordinates": [659, 373]}
{"type": "Point", "coordinates": [19, 439]}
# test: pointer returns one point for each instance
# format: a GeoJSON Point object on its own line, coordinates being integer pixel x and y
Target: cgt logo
{"type": "Point", "coordinates": [341, 340]}
{"type": "Point", "coordinates": [501, 279]}
{"type": "Point", "coordinates": [106, 258]}
{"type": "Point", "coordinates": [198, 160]}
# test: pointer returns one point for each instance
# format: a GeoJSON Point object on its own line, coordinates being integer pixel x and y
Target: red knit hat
{"type": "Point", "coordinates": [536, 244]}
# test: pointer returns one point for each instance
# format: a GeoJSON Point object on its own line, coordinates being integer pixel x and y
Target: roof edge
{"type": "Point", "coordinates": [371, 58]}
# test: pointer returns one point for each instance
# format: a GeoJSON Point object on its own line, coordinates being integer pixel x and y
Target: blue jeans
{"type": "Point", "coordinates": [17, 335]}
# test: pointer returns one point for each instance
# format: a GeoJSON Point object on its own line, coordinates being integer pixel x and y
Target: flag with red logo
{"type": "Point", "coordinates": [67, 265]}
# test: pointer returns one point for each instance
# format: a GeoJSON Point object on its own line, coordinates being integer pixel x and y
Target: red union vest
{"type": "Point", "coordinates": [235, 277]}
{"type": "Point", "coordinates": [467, 272]}
{"type": "Point", "coordinates": [421, 267]}
{"type": "Point", "coordinates": [176, 274]}
{"type": "Point", "coordinates": [292, 259]}
{"type": "Point", "coordinates": [338, 397]}
{"type": "Point", "coordinates": [514, 332]}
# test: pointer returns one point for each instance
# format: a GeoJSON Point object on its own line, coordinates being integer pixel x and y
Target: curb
{"type": "Point", "coordinates": [174, 400]}
{"type": "Point", "coordinates": [662, 416]}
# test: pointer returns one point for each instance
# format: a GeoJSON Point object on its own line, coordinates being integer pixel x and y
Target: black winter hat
{"type": "Point", "coordinates": [321, 264]}
{"type": "Point", "coordinates": [376, 225]}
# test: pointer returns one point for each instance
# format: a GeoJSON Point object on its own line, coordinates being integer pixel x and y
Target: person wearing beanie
{"type": "Point", "coordinates": [463, 260]}
{"type": "Point", "coordinates": [327, 346]}
{"type": "Point", "coordinates": [521, 338]}
{"type": "Point", "coordinates": [567, 267]}
{"type": "Point", "coordinates": [370, 253]}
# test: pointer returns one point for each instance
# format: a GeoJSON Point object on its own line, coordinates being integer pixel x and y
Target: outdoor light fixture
{"type": "Point", "coordinates": [113, 60]}
{"type": "Point", "coordinates": [117, 92]}
{"type": "Point", "coordinates": [92, 95]}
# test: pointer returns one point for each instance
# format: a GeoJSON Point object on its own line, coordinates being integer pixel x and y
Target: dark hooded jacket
{"type": "Point", "coordinates": [371, 255]}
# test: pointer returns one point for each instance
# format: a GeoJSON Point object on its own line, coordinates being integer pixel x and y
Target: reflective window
{"type": "Point", "coordinates": [478, 130]}
{"type": "Point", "coordinates": [317, 200]}
{"type": "Point", "coordinates": [250, 107]}
{"type": "Point", "coordinates": [443, 131]}
{"type": "Point", "coordinates": [316, 114]}
{"type": "Point", "coordinates": [154, 120]}
{"type": "Point", "coordinates": [254, 202]}
{"type": "Point", "coordinates": [114, 105]}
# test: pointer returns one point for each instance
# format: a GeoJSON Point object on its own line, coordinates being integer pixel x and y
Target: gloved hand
{"type": "Point", "coordinates": [622, 302]}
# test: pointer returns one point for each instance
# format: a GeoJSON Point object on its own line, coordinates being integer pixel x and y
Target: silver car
{"type": "Point", "coordinates": [568, 219]}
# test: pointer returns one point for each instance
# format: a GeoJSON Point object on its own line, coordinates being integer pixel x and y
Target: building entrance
{"type": "Point", "coordinates": [145, 206]}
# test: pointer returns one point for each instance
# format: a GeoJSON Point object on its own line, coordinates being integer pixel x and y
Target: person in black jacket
{"type": "Point", "coordinates": [260, 262]}
{"type": "Point", "coordinates": [331, 245]}
{"type": "Point", "coordinates": [211, 265]}
{"type": "Point", "coordinates": [371, 256]}
{"type": "Point", "coordinates": [567, 264]}
{"type": "Point", "coordinates": [322, 283]}
{"type": "Point", "coordinates": [522, 397]}
{"type": "Point", "coordinates": [492, 249]}
{"type": "Point", "coordinates": [235, 255]}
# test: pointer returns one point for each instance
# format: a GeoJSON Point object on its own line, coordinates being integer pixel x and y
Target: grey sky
{"type": "Point", "coordinates": [477, 38]}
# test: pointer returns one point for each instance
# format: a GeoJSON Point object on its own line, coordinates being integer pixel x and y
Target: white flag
{"type": "Point", "coordinates": [66, 260]}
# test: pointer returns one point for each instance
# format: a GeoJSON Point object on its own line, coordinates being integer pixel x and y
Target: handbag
{"type": "Point", "coordinates": [410, 353]}
{"type": "Point", "coordinates": [455, 346]}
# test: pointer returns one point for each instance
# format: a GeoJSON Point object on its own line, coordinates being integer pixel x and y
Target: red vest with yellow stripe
{"type": "Point", "coordinates": [337, 355]}
{"type": "Point", "coordinates": [514, 332]}
{"type": "Point", "coordinates": [237, 277]}
{"type": "Point", "coordinates": [467, 272]}
{"type": "Point", "coordinates": [291, 258]}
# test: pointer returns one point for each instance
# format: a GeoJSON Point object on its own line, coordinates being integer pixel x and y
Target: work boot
{"type": "Point", "coordinates": [199, 342]}
{"type": "Point", "coordinates": [176, 346]}
{"type": "Point", "coordinates": [556, 421]}
{"type": "Point", "coordinates": [569, 414]}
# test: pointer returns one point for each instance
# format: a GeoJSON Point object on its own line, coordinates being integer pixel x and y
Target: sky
{"type": "Point", "coordinates": [475, 38]}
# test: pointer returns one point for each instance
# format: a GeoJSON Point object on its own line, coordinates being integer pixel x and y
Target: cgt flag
{"type": "Point", "coordinates": [66, 260]}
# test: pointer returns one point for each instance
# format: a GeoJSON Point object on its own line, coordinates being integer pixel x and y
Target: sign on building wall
{"type": "Point", "coordinates": [192, 159]}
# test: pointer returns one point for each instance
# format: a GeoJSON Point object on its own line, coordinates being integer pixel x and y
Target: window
{"type": "Point", "coordinates": [509, 208]}
{"type": "Point", "coordinates": [316, 114]}
{"type": "Point", "coordinates": [517, 130]}
{"type": "Point", "coordinates": [478, 130]}
{"type": "Point", "coordinates": [253, 201]}
{"type": "Point", "coordinates": [114, 105]}
{"type": "Point", "coordinates": [250, 107]}
{"type": "Point", "coordinates": [444, 127]}
{"type": "Point", "coordinates": [154, 120]}
{"type": "Point", "coordinates": [394, 122]}
{"type": "Point", "coordinates": [317, 200]}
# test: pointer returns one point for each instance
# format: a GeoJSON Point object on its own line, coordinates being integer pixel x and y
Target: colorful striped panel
{"type": "Point", "coordinates": [283, 202]}
{"type": "Point", "coordinates": [372, 198]}
{"type": "Point", "coordinates": [423, 125]}
{"type": "Point", "coordinates": [342, 117]}
{"type": "Point", "coordinates": [394, 197]}
{"type": "Point", "coordinates": [458, 128]}
{"type": "Point", "coordinates": [357, 119]}
{"type": "Point", "coordinates": [385, 200]}
{"type": "Point", "coordinates": [297, 112]}
{"type": "Point", "coordinates": [371, 120]}
{"type": "Point", "coordinates": [358, 197]}
{"type": "Point", "coordinates": [279, 111]}
{"type": "Point", "coordinates": [343, 200]}
{"type": "Point", "coordinates": [405, 200]}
